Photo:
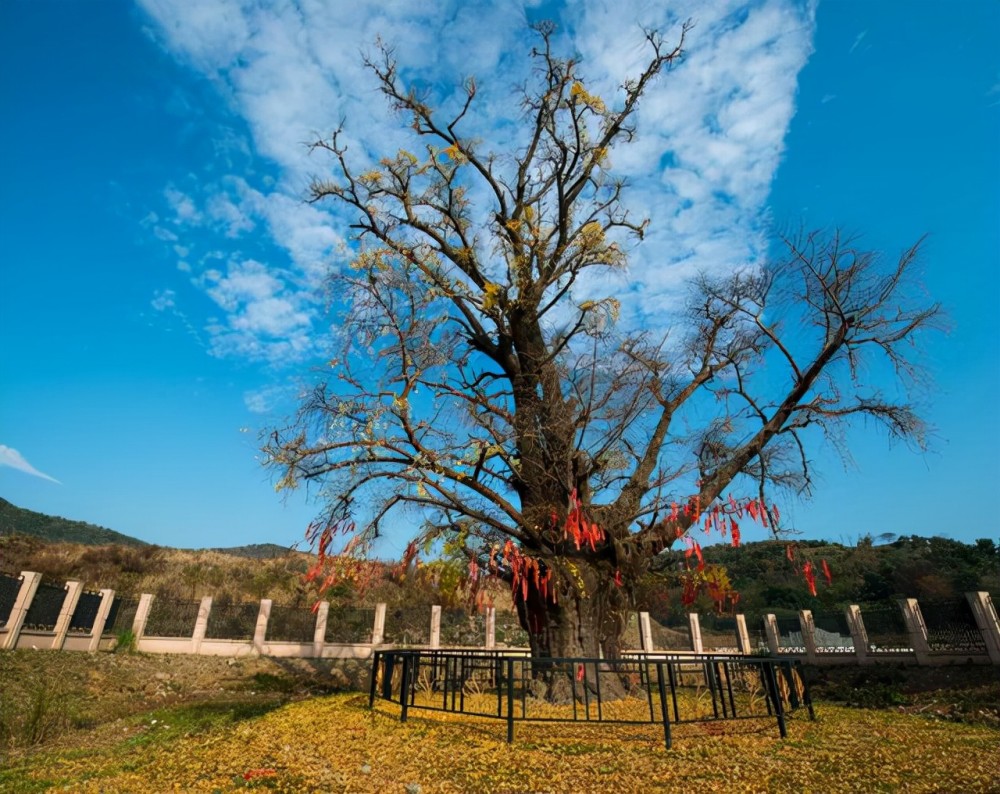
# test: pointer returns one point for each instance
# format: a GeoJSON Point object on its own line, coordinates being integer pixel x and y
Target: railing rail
{"type": "Point", "coordinates": [643, 688]}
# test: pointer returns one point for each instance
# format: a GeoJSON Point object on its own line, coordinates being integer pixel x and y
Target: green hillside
{"type": "Point", "coordinates": [17, 520]}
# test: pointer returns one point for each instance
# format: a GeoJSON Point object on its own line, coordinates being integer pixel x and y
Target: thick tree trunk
{"type": "Point", "coordinates": [586, 621]}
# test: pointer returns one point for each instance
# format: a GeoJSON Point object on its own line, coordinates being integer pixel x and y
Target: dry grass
{"type": "Point", "coordinates": [207, 732]}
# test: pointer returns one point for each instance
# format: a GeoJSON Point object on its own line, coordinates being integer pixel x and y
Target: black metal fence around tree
{"type": "Point", "coordinates": [659, 689]}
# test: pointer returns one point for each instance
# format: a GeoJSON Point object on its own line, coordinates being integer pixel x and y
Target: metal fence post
{"type": "Point", "coordinates": [510, 700]}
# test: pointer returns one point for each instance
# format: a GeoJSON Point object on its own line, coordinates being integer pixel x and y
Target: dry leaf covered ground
{"type": "Point", "coordinates": [144, 723]}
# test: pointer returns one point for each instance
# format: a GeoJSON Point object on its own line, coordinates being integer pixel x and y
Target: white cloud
{"type": "Point", "coordinates": [711, 132]}
{"type": "Point", "coordinates": [11, 457]}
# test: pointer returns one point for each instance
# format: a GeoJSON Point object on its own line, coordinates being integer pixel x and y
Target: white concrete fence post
{"type": "Point", "coordinates": [201, 624]}
{"type": "Point", "coordinates": [645, 632]}
{"type": "Point", "coordinates": [695, 625]}
{"type": "Point", "coordinates": [378, 630]}
{"type": "Point", "coordinates": [491, 628]}
{"type": "Point", "coordinates": [742, 635]}
{"type": "Point", "coordinates": [985, 614]}
{"type": "Point", "coordinates": [859, 634]}
{"type": "Point", "coordinates": [808, 627]}
{"type": "Point", "coordinates": [70, 600]}
{"type": "Point", "coordinates": [142, 616]}
{"type": "Point", "coordinates": [319, 632]}
{"type": "Point", "coordinates": [260, 629]}
{"type": "Point", "coordinates": [25, 595]}
{"type": "Point", "coordinates": [772, 634]}
{"type": "Point", "coordinates": [100, 620]}
{"type": "Point", "coordinates": [435, 626]}
{"type": "Point", "coordinates": [917, 629]}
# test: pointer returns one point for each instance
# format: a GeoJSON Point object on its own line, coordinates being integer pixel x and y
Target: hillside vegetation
{"type": "Point", "coordinates": [15, 519]}
{"type": "Point", "coordinates": [866, 573]}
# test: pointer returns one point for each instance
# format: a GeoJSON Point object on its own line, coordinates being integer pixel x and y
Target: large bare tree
{"type": "Point", "coordinates": [562, 451]}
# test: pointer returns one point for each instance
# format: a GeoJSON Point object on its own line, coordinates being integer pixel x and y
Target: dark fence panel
{"type": "Point", "coordinates": [169, 618]}
{"type": "Point", "coordinates": [672, 635]}
{"type": "Point", "coordinates": [508, 631]}
{"type": "Point", "coordinates": [407, 626]}
{"type": "Point", "coordinates": [952, 628]}
{"type": "Point", "coordinates": [459, 627]}
{"type": "Point", "coordinates": [790, 635]}
{"type": "Point", "coordinates": [45, 607]}
{"type": "Point", "coordinates": [10, 586]}
{"type": "Point", "coordinates": [832, 632]}
{"type": "Point", "coordinates": [86, 612]}
{"type": "Point", "coordinates": [718, 632]}
{"type": "Point", "coordinates": [232, 621]}
{"type": "Point", "coordinates": [352, 624]}
{"type": "Point", "coordinates": [121, 616]}
{"type": "Point", "coordinates": [291, 624]}
{"type": "Point", "coordinates": [886, 629]}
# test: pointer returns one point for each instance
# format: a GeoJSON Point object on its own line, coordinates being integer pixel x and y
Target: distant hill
{"type": "Point", "coordinates": [256, 551]}
{"type": "Point", "coordinates": [17, 520]}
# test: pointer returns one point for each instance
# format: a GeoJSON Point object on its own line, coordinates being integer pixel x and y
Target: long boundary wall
{"type": "Point", "coordinates": [809, 644]}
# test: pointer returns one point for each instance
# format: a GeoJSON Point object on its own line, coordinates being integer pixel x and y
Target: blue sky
{"type": "Point", "coordinates": [159, 271]}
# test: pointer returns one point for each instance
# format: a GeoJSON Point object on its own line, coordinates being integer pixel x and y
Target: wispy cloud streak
{"type": "Point", "coordinates": [15, 460]}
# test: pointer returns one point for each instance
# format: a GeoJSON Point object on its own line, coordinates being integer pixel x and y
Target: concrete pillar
{"type": "Point", "coordinates": [100, 619]}
{"type": "Point", "coordinates": [491, 628]}
{"type": "Point", "coordinates": [645, 633]}
{"type": "Point", "coordinates": [260, 629]}
{"type": "Point", "coordinates": [436, 626]}
{"type": "Point", "coordinates": [742, 635]}
{"type": "Point", "coordinates": [29, 586]}
{"type": "Point", "coordinates": [917, 629]}
{"type": "Point", "coordinates": [985, 613]}
{"type": "Point", "coordinates": [201, 624]}
{"type": "Point", "coordinates": [695, 625]}
{"type": "Point", "coordinates": [319, 634]}
{"type": "Point", "coordinates": [808, 626]}
{"type": "Point", "coordinates": [378, 630]}
{"type": "Point", "coordinates": [142, 615]}
{"type": "Point", "coordinates": [70, 600]}
{"type": "Point", "coordinates": [859, 634]}
{"type": "Point", "coordinates": [773, 635]}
